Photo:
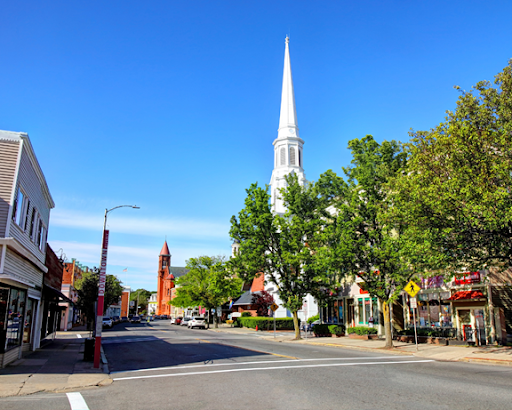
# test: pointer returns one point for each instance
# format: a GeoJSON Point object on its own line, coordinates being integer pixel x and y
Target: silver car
{"type": "Point", "coordinates": [197, 322]}
{"type": "Point", "coordinates": [185, 321]}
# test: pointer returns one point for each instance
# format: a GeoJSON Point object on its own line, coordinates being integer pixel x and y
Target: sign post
{"type": "Point", "coordinates": [412, 289]}
{"type": "Point", "coordinates": [101, 297]}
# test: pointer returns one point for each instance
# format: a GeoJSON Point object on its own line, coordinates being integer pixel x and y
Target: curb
{"type": "Point", "coordinates": [482, 360]}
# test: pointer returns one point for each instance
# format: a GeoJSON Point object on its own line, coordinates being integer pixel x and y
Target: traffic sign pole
{"type": "Point", "coordinates": [414, 305]}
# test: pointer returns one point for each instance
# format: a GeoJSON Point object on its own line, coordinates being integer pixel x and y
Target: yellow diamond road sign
{"type": "Point", "coordinates": [274, 307]}
{"type": "Point", "coordinates": [411, 288]}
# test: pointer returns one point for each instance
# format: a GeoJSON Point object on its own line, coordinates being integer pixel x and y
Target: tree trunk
{"type": "Point", "coordinates": [216, 320]}
{"type": "Point", "coordinates": [296, 325]}
{"type": "Point", "coordinates": [387, 324]}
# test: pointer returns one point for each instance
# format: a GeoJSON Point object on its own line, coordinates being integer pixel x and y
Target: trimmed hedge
{"type": "Point", "coordinates": [313, 319]}
{"type": "Point", "coordinates": [337, 329]}
{"type": "Point", "coordinates": [321, 330]}
{"type": "Point", "coordinates": [266, 323]}
{"type": "Point", "coordinates": [362, 330]}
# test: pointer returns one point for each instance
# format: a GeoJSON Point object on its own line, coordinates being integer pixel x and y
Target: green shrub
{"type": "Point", "coordinates": [266, 323]}
{"type": "Point", "coordinates": [362, 330]}
{"type": "Point", "coordinates": [336, 329]}
{"type": "Point", "coordinates": [313, 318]}
{"type": "Point", "coordinates": [246, 314]}
{"type": "Point", "coordinates": [321, 330]}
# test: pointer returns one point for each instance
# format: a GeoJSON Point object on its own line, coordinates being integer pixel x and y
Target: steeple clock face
{"type": "Point", "coordinates": [292, 131]}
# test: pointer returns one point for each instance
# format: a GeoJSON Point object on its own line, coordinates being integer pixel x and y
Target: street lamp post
{"type": "Point", "coordinates": [101, 286]}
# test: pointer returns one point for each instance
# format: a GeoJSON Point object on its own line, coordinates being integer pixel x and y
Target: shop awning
{"type": "Point", "coordinates": [466, 295]}
{"type": "Point", "coordinates": [57, 293]}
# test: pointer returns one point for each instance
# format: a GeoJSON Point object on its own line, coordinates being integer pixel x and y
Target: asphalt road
{"type": "Point", "coordinates": [170, 367]}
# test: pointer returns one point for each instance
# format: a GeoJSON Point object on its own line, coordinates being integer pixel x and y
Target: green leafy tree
{"type": "Point", "coordinates": [141, 298]}
{"type": "Point", "coordinates": [87, 289]}
{"type": "Point", "coordinates": [369, 245]}
{"type": "Point", "coordinates": [282, 247]}
{"type": "Point", "coordinates": [457, 191]}
{"type": "Point", "coordinates": [208, 283]}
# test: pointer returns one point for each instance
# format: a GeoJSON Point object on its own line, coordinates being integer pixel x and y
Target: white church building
{"type": "Point", "coordinates": [288, 158]}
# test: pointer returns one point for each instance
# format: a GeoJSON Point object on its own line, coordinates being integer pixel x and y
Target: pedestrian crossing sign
{"type": "Point", "coordinates": [412, 288]}
{"type": "Point", "coordinates": [274, 307]}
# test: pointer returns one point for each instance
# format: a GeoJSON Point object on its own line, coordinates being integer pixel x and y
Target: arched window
{"type": "Point", "coordinates": [283, 158]}
{"type": "Point", "coordinates": [292, 156]}
{"type": "Point", "coordinates": [300, 157]}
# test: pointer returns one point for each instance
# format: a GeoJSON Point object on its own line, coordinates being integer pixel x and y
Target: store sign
{"type": "Point", "coordinates": [468, 279]}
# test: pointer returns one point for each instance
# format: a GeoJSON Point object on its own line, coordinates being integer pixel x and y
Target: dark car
{"type": "Point", "coordinates": [125, 319]}
{"type": "Point", "coordinates": [116, 319]}
{"type": "Point", "coordinates": [135, 319]}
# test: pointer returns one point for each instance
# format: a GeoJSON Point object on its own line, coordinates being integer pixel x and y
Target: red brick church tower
{"type": "Point", "coordinates": [165, 282]}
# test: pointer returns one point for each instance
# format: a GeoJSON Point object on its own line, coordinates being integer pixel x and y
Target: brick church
{"type": "Point", "coordinates": [166, 281]}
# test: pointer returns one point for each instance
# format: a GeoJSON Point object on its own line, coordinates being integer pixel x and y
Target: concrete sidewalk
{"type": "Point", "coordinates": [497, 355]}
{"type": "Point", "coordinates": [56, 367]}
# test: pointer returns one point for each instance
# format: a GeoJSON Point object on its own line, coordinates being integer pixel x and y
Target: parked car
{"type": "Point", "coordinates": [116, 319]}
{"type": "Point", "coordinates": [165, 316]}
{"type": "Point", "coordinates": [125, 319]}
{"type": "Point", "coordinates": [108, 323]}
{"type": "Point", "coordinates": [178, 320]}
{"type": "Point", "coordinates": [185, 320]}
{"type": "Point", "coordinates": [151, 318]}
{"type": "Point", "coordinates": [173, 320]}
{"type": "Point", "coordinates": [157, 317]}
{"type": "Point", "coordinates": [197, 322]}
{"type": "Point", "coordinates": [135, 319]}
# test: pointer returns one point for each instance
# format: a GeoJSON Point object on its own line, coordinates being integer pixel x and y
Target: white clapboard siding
{"type": "Point", "coordinates": [8, 158]}
{"type": "Point", "coordinates": [31, 185]}
{"type": "Point", "coordinates": [22, 270]}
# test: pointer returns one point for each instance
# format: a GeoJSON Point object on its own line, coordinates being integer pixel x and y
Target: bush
{"type": "Point", "coordinates": [313, 319]}
{"type": "Point", "coordinates": [266, 323]}
{"type": "Point", "coordinates": [321, 330]}
{"type": "Point", "coordinates": [362, 330]}
{"type": "Point", "coordinates": [336, 329]}
{"type": "Point", "coordinates": [246, 314]}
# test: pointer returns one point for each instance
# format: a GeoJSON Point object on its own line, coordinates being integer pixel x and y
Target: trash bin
{"type": "Point", "coordinates": [89, 349]}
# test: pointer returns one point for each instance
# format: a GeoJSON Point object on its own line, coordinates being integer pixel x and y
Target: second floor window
{"type": "Point", "coordinates": [17, 213]}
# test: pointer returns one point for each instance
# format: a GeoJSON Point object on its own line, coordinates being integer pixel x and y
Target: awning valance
{"type": "Point", "coordinates": [467, 295]}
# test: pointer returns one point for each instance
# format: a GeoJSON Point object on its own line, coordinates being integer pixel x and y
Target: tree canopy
{"type": "Point", "coordinates": [87, 289]}
{"type": "Point", "coordinates": [457, 189]}
{"type": "Point", "coordinates": [208, 283]}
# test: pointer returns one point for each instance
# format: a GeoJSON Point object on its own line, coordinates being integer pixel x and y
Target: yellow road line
{"type": "Point", "coordinates": [251, 350]}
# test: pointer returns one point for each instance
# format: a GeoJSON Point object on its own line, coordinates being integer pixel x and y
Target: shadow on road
{"type": "Point", "coordinates": [153, 352]}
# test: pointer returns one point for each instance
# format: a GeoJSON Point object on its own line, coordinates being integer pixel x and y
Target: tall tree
{"type": "Point", "coordinates": [87, 289]}
{"type": "Point", "coordinates": [141, 298]}
{"type": "Point", "coordinates": [208, 283]}
{"type": "Point", "coordinates": [369, 245]}
{"type": "Point", "coordinates": [281, 247]}
{"type": "Point", "coordinates": [457, 191]}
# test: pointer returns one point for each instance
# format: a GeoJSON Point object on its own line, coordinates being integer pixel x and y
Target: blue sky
{"type": "Point", "coordinates": [173, 105]}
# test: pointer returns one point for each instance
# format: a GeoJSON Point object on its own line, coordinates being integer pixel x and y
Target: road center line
{"type": "Point", "coordinates": [156, 369]}
{"type": "Point", "coordinates": [76, 401]}
{"type": "Point", "coordinates": [268, 368]}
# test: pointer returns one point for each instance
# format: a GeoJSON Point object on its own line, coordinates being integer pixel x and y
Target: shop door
{"type": "Point", "coordinates": [465, 324]}
{"type": "Point", "coordinates": [350, 313]}
{"type": "Point", "coordinates": [480, 326]}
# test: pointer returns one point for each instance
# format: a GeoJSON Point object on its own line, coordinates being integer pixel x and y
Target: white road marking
{"type": "Point", "coordinates": [76, 401]}
{"type": "Point", "coordinates": [268, 368]}
{"type": "Point", "coordinates": [79, 335]}
{"type": "Point", "coordinates": [258, 362]}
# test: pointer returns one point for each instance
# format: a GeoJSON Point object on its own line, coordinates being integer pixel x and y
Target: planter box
{"type": "Point", "coordinates": [363, 337]}
{"type": "Point", "coordinates": [334, 335]}
{"type": "Point", "coordinates": [423, 339]}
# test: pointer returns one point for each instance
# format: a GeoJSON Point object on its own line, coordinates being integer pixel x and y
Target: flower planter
{"type": "Point", "coordinates": [363, 337]}
{"type": "Point", "coordinates": [423, 339]}
{"type": "Point", "coordinates": [340, 335]}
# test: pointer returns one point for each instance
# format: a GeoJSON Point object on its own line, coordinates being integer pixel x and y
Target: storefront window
{"type": "Point", "coordinates": [27, 328]}
{"type": "Point", "coordinates": [375, 311]}
{"type": "Point", "coordinates": [367, 310]}
{"type": "Point", "coordinates": [340, 312]}
{"type": "Point", "coordinates": [15, 307]}
{"type": "Point", "coordinates": [360, 311]}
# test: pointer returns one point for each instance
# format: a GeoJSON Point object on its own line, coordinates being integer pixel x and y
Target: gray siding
{"type": "Point", "coordinates": [31, 185]}
{"type": "Point", "coordinates": [8, 158]}
{"type": "Point", "coordinates": [22, 270]}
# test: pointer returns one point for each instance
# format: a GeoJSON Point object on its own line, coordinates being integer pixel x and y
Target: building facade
{"type": "Point", "coordinates": [25, 204]}
{"type": "Point", "coordinates": [166, 282]}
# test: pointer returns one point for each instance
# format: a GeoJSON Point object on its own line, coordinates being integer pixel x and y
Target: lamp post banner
{"type": "Point", "coordinates": [103, 268]}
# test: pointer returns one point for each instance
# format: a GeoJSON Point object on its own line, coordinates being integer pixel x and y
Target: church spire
{"type": "Point", "coordinates": [288, 117]}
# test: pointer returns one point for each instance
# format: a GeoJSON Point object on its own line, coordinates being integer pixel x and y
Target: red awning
{"type": "Point", "coordinates": [467, 294]}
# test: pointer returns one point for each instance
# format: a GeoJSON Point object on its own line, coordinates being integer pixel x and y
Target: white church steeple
{"type": "Point", "coordinates": [288, 145]}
